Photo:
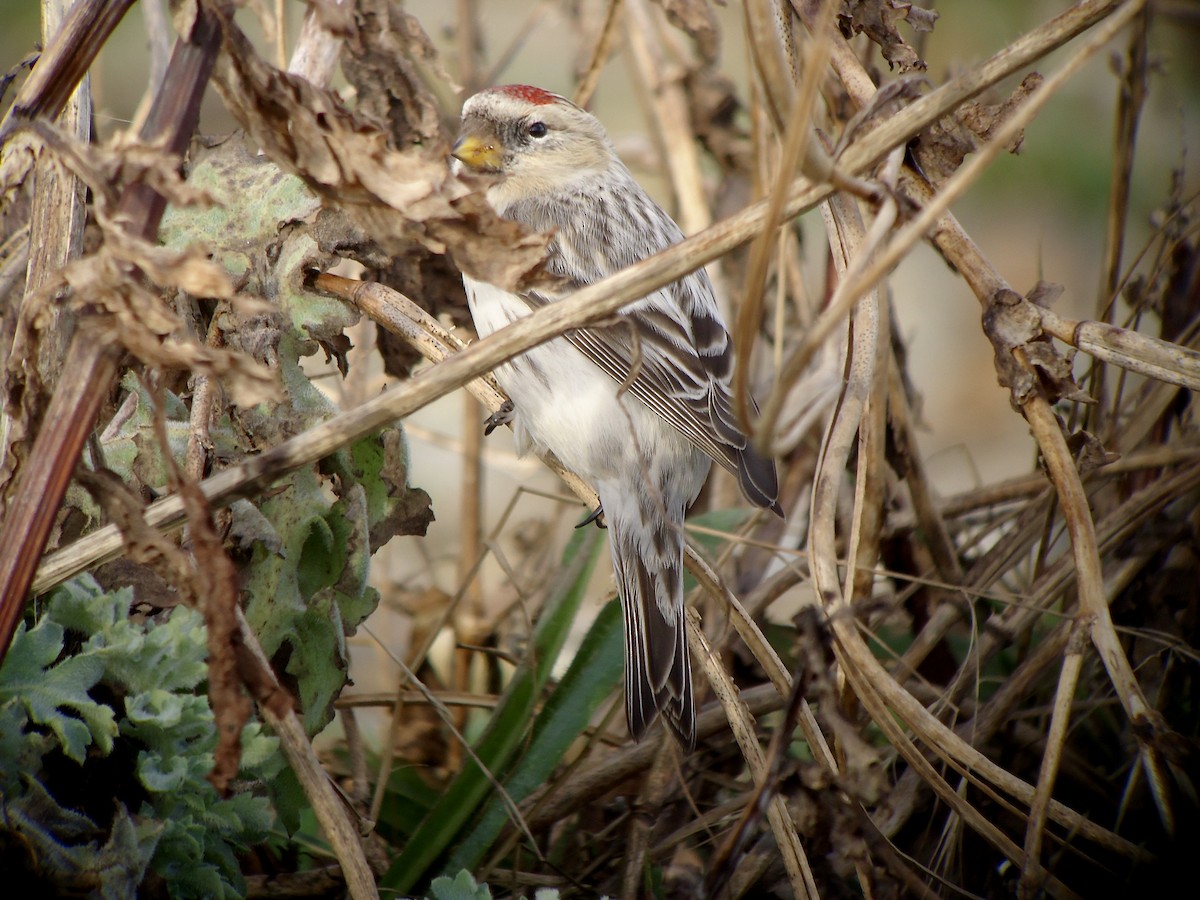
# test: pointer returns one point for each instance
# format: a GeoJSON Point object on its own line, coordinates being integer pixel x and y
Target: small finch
{"type": "Point", "coordinates": [638, 407]}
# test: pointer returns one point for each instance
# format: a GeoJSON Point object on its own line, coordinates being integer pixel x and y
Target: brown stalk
{"type": "Point", "coordinates": [63, 64]}
{"type": "Point", "coordinates": [670, 118]}
{"type": "Point", "coordinates": [59, 212]}
{"type": "Point", "coordinates": [788, 842]}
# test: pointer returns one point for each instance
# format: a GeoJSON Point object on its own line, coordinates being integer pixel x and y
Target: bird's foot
{"type": "Point", "coordinates": [594, 516]}
{"type": "Point", "coordinates": [503, 416]}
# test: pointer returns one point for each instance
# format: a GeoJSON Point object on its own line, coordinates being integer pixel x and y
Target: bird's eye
{"type": "Point", "coordinates": [537, 129]}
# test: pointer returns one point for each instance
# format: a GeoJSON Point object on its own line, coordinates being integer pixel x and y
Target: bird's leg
{"type": "Point", "coordinates": [503, 416]}
{"type": "Point", "coordinates": [594, 516]}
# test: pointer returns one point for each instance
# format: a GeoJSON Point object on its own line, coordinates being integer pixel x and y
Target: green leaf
{"type": "Point", "coordinates": [183, 830]}
{"type": "Point", "coordinates": [594, 672]}
{"type": "Point", "coordinates": [508, 724]}
{"type": "Point", "coordinates": [56, 696]}
{"type": "Point", "coordinates": [461, 887]}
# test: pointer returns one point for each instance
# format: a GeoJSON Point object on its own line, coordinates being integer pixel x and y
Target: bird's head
{"type": "Point", "coordinates": [539, 142]}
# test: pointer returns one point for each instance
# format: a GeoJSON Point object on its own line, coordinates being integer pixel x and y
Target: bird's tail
{"type": "Point", "coordinates": [646, 539]}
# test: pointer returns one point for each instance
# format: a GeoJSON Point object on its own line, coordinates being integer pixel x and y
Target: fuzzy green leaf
{"type": "Point", "coordinates": [56, 696]}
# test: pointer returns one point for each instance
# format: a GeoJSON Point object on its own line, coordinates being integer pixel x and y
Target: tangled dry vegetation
{"type": "Point", "coordinates": [979, 694]}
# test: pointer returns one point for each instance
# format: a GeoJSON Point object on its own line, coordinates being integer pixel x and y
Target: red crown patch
{"type": "Point", "coordinates": [527, 93]}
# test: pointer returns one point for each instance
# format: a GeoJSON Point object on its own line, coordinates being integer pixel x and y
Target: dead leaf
{"type": "Point", "coordinates": [380, 65]}
{"type": "Point", "coordinates": [1090, 454]}
{"type": "Point", "coordinates": [399, 197]}
{"type": "Point", "coordinates": [1010, 323]}
{"type": "Point", "coordinates": [943, 146]}
{"type": "Point", "coordinates": [878, 20]}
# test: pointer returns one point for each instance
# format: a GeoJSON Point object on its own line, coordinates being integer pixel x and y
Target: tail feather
{"type": "Point", "coordinates": [647, 555]}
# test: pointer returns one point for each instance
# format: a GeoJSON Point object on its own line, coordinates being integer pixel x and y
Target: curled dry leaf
{"type": "Point", "coordinates": [1054, 368]}
{"type": "Point", "coordinates": [400, 197]}
{"type": "Point", "coordinates": [140, 322]}
{"type": "Point", "coordinates": [107, 168]}
{"type": "Point", "coordinates": [945, 144]}
{"type": "Point", "coordinates": [381, 66]}
{"type": "Point", "coordinates": [1012, 323]}
{"type": "Point", "coordinates": [878, 20]}
{"type": "Point", "coordinates": [127, 276]}
{"type": "Point", "coordinates": [1090, 454]}
{"type": "Point", "coordinates": [385, 62]}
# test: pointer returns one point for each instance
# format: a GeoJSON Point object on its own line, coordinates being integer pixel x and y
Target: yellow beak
{"type": "Point", "coordinates": [480, 152]}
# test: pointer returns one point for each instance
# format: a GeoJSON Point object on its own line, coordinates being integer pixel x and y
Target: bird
{"type": "Point", "coordinates": [638, 405]}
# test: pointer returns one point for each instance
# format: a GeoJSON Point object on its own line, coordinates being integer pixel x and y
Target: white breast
{"type": "Point", "coordinates": [564, 403]}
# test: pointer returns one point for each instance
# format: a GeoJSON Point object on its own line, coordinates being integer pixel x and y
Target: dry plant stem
{"type": "Point", "coordinates": [1114, 528]}
{"type": "Point", "coordinates": [549, 806]}
{"type": "Point", "coordinates": [1130, 100]}
{"type": "Point", "coordinates": [929, 518]}
{"type": "Point", "coordinates": [870, 486]}
{"type": "Point", "coordinates": [350, 699]}
{"type": "Point", "coordinates": [1037, 410]}
{"type": "Point", "coordinates": [604, 45]}
{"type": "Point", "coordinates": [59, 212]}
{"type": "Point", "coordinates": [656, 789]}
{"type": "Point", "coordinates": [1149, 356]}
{"type": "Point", "coordinates": [1002, 629]}
{"type": "Point", "coordinates": [773, 51]}
{"type": "Point", "coordinates": [1015, 56]}
{"type": "Point", "coordinates": [469, 45]}
{"type": "Point", "coordinates": [1064, 697]}
{"type": "Point", "coordinates": [204, 393]}
{"type": "Point", "coordinates": [934, 220]}
{"type": "Point", "coordinates": [1148, 724]}
{"type": "Point", "coordinates": [447, 717]}
{"type": "Point", "coordinates": [315, 57]}
{"type": "Point", "coordinates": [158, 38]}
{"type": "Point", "coordinates": [1026, 486]}
{"type": "Point", "coordinates": [764, 654]}
{"type": "Point", "coordinates": [797, 139]}
{"type": "Point", "coordinates": [874, 688]}
{"type": "Point", "coordinates": [91, 364]}
{"type": "Point", "coordinates": [740, 720]}
{"type": "Point", "coordinates": [63, 64]}
{"type": "Point", "coordinates": [468, 623]}
{"type": "Point", "coordinates": [665, 93]}
{"type": "Point", "coordinates": [278, 711]}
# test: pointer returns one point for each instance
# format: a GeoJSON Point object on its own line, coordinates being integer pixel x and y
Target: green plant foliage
{"type": "Point", "coordinates": [594, 671]}
{"type": "Point", "coordinates": [461, 887]}
{"type": "Point", "coordinates": [310, 540]}
{"type": "Point", "coordinates": [464, 887]}
{"type": "Point", "coordinates": [508, 725]}
{"type": "Point", "coordinates": [105, 745]}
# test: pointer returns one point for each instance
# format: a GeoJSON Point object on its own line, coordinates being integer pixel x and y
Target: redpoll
{"type": "Point", "coordinates": [645, 447]}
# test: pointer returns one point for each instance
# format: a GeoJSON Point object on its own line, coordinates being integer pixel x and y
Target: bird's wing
{"type": "Point", "coordinates": [671, 352]}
